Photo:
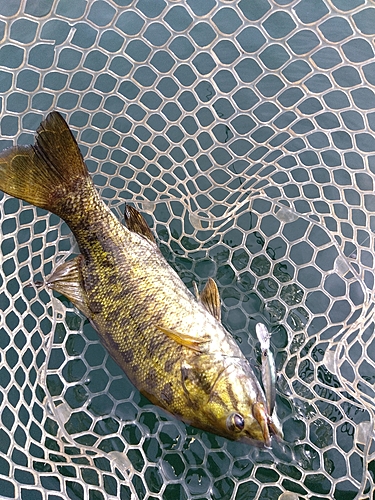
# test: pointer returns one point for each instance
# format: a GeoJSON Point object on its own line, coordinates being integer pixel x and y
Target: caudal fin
{"type": "Point", "coordinates": [45, 173]}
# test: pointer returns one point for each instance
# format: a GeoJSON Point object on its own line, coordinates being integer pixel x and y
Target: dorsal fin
{"type": "Point", "coordinates": [210, 298]}
{"type": "Point", "coordinates": [136, 223]}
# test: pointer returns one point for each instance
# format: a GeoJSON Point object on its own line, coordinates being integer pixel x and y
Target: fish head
{"type": "Point", "coordinates": [243, 407]}
{"type": "Point", "coordinates": [229, 401]}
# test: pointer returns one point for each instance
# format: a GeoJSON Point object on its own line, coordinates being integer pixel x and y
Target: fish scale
{"type": "Point", "coordinates": [144, 314]}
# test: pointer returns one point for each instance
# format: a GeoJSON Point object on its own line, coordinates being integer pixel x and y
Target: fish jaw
{"type": "Point", "coordinates": [261, 416]}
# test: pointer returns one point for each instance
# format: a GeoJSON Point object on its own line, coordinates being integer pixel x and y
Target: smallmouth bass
{"type": "Point", "coordinates": [171, 345]}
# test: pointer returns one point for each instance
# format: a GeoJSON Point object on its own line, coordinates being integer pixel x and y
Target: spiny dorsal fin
{"type": "Point", "coordinates": [184, 339]}
{"type": "Point", "coordinates": [210, 298]}
{"type": "Point", "coordinates": [136, 223]}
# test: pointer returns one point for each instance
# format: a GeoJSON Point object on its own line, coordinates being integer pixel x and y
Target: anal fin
{"type": "Point", "coordinates": [67, 280]}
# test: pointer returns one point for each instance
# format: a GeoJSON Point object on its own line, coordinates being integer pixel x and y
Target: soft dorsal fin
{"type": "Point", "coordinates": [184, 339]}
{"type": "Point", "coordinates": [210, 298]}
{"type": "Point", "coordinates": [136, 223]}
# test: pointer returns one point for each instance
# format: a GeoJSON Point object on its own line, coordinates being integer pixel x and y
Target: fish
{"type": "Point", "coordinates": [171, 344]}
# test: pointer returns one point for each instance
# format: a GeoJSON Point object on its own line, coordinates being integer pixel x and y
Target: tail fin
{"type": "Point", "coordinates": [44, 173]}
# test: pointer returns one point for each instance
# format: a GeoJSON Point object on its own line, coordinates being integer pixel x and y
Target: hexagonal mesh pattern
{"type": "Point", "coordinates": [244, 130]}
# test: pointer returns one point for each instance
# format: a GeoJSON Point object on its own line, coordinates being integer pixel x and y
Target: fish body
{"type": "Point", "coordinates": [171, 345]}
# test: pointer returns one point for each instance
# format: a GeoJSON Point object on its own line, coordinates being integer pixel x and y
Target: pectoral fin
{"type": "Point", "coordinates": [184, 339]}
{"type": "Point", "coordinates": [66, 279]}
{"type": "Point", "coordinates": [136, 223]}
{"type": "Point", "coordinates": [210, 298]}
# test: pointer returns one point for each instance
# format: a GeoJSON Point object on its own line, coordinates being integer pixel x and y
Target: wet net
{"type": "Point", "coordinates": [243, 130]}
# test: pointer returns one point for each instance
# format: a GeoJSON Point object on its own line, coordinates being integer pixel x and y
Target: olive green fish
{"type": "Point", "coordinates": [170, 344]}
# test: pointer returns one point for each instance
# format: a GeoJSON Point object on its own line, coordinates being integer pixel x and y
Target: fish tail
{"type": "Point", "coordinates": [46, 173]}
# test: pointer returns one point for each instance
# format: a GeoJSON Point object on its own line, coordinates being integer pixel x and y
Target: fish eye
{"type": "Point", "coordinates": [235, 422]}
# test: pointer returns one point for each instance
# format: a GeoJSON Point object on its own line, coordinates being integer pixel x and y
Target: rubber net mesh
{"type": "Point", "coordinates": [244, 131]}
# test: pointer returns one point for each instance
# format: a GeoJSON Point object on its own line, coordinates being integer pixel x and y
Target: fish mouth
{"type": "Point", "coordinates": [261, 416]}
